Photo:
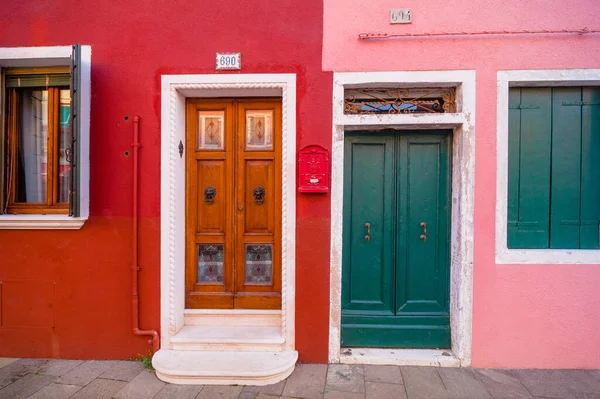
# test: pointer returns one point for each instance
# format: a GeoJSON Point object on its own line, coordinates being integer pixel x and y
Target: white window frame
{"type": "Point", "coordinates": [56, 56]}
{"type": "Point", "coordinates": [531, 78]}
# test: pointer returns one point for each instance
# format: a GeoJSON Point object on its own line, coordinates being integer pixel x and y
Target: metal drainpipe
{"type": "Point", "coordinates": [134, 266]}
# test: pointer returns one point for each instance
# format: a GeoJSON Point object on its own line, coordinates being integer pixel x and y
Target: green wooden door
{"type": "Point", "coordinates": [395, 266]}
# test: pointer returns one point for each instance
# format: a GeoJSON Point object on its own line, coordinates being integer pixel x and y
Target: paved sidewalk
{"type": "Point", "coordinates": [107, 379]}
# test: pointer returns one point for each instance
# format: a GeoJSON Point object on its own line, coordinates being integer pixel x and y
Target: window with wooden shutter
{"type": "Point", "coordinates": [39, 145]}
{"type": "Point", "coordinates": [554, 168]}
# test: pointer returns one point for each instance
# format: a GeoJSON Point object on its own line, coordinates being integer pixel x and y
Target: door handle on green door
{"type": "Point", "coordinates": [424, 235]}
{"type": "Point", "coordinates": [368, 236]}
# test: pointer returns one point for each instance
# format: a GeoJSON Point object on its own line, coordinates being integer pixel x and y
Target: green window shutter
{"type": "Point", "coordinates": [75, 85]}
{"type": "Point", "coordinates": [589, 236]}
{"type": "Point", "coordinates": [38, 80]}
{"type": "Point", "coordinates": [566, 167]}
{"type": "Point", "coordinates": [514, 139]}
{"type": "Point", "coordinates": [529, 168]}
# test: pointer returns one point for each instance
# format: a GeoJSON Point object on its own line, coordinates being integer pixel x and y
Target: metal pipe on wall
{"type": "Point", "coordinates": [134, 265]}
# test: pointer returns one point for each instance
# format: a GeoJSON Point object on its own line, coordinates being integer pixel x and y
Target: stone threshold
{"type": "Point", "coordinates": [399, 357]}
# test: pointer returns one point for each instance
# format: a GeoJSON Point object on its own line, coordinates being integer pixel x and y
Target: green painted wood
{"type": "Point", "coordinates": [391, 336]}
{"type": "Point", "coordinates": [422, 282]}
{"type": "Point", "coordinates": [566, 168]}
{"type": "Point", "coordinates": [514, 151]}
{"type": "Point", "coordinates": [368, 273]}
{"type": "Point", "coordinates": [589, 237]}
{"type": "Point", "coordinates": [395, 288]}
{"type": "Point", "coordinates": [531, 229]}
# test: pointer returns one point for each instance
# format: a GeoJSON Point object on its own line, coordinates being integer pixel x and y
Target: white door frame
{"type": "Point", "coordinates": [463, 166]}
{"type": "Point", "coordinates": [175, 89]}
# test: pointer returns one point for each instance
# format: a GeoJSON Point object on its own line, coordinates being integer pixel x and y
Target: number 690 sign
{"type": "Point", "coordinates": [229, 61]}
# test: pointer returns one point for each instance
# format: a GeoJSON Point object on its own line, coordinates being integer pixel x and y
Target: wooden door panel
{"type": "Point", "coordinates": [258, 219]}
{"type": "Point", "coordinates": [212, 195]}
{"type": "Point", "coordinates": [209, 219]}
{"type": "Point", "coordinates": [395, 286]}
{"type": "Point", "coordinates": [368, 274]}
{"type": "Point", "coordinates": [260, 197]}
{"type": "Point", "coordinates": [423, 194]}
{"type": "Point", "coordinates": [233, 231]}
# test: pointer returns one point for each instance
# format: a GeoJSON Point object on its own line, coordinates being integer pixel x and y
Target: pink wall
{"type": "Point", "coordinates": [541, 316]}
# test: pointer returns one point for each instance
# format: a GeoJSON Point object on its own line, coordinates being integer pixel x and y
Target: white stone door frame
{"type": "Point", "coordinates": [463, 166]}
{"type": "Point", "coordinates": [174, 91]}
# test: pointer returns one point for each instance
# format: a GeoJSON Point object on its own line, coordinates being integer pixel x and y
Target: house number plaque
{"type": "Point", "coordinates": [229, 61]}
{"type": "Point", "coordinates": [400, 16]}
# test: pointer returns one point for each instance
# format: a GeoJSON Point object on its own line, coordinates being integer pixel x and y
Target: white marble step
{"type": "Point", "coordinates": [228, 338]}
{"type": "Point", "coordinates": [223, 368]}
{"type": "Point", "coordinates": [232, 317]}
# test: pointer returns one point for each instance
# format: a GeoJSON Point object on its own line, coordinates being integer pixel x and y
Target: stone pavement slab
{"type": "Point", "coordinates": [56, 391]}
{"type": "Point", "coordinates": [502, 384]}
{"type": "Point", "coordinates": [13, 372]}
{"type": "Point", "coordinates": [58, 367]}
{"type": "Point", "coordinates": [99, 389]}
{"type": "Point", "coordinates": [250, 395]}
{"type": "Point", "coordinates": [273, 389]}
{"type": "Point", "coordinates": [172, 391]}
{"type": "Point", "coordinates": [47, 379]}
{"type": "Point", "coordinates": [219, 392]}
{"type": "Point", "coordinates": [343, 395]}
{"type": "Point", "coordinates": [379, 390]}
{"type": "Point", "coordinates": [306, 382]}
{"type": "Point", "coordinates": [86, 372]}
{"type": "Point", "coordinates": [389, 374]}
{"type": "Point", "coordinates": [123, 370]}
{"type": "Point", "coordinates": [560, 384]}
{"type": "Point", "coordinates": [5, 361]}
{"type": "Point", "coordinates": [588, 396]}
{"type": "Point", "coordinates": [33, 364]}
{"type": "Point", "coordinates": [463, 383]}
{"type": "Point", "coordinates": [26, 386]}
{"type": "Point", "coordinates": [423, 383]}
{"type": "Point", "coordinates": [346, 377]}
{"type": "Point", "coordinates": [144, 385]}
{"type": "Point", "coordinates": [265, 396]}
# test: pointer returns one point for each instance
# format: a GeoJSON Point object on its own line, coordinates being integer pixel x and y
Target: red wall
{"type": "Point", "coordinates": [68, 293]}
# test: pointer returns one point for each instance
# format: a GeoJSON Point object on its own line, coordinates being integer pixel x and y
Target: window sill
{"type": "Point", "coordinates": [41, 222]}
{"type": "Point", "coordinates": [547, 256]}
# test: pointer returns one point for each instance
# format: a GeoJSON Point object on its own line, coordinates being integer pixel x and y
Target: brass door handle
{"type": "Point", "coordinates": [424, 235]}
{"type": "Point", "coordinates": [368, 236]}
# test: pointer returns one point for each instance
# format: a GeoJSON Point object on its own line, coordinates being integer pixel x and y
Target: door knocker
{"type": "Point", "coordinates": [259, 195]}
{"type": "Point", "coordinates": [209, 194]}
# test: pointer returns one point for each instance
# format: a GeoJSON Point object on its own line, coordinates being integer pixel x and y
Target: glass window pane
{"type": "Point", "coordinates": [211, 130]}
{"type": "Point", "coordinates": [210, 263]}
{"type": "Point", "coordinates": [32, 146]}
{"type": "Point", "coordinates": [65, 153]}
{"type": "Point", "coordinates": [259, 130]}
{"type": "Point", "coordinates": [259, 264]}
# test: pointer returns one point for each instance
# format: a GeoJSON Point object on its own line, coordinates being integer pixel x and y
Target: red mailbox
{"type": "Point", "coordinates": [313, 170]}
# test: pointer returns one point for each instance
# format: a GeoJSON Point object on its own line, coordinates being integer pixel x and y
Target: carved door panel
{"type": "Point", "coordinates": [233, 204]}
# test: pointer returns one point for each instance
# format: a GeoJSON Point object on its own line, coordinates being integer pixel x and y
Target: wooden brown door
{"type": "Point", "coordinates": [233, 204]}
